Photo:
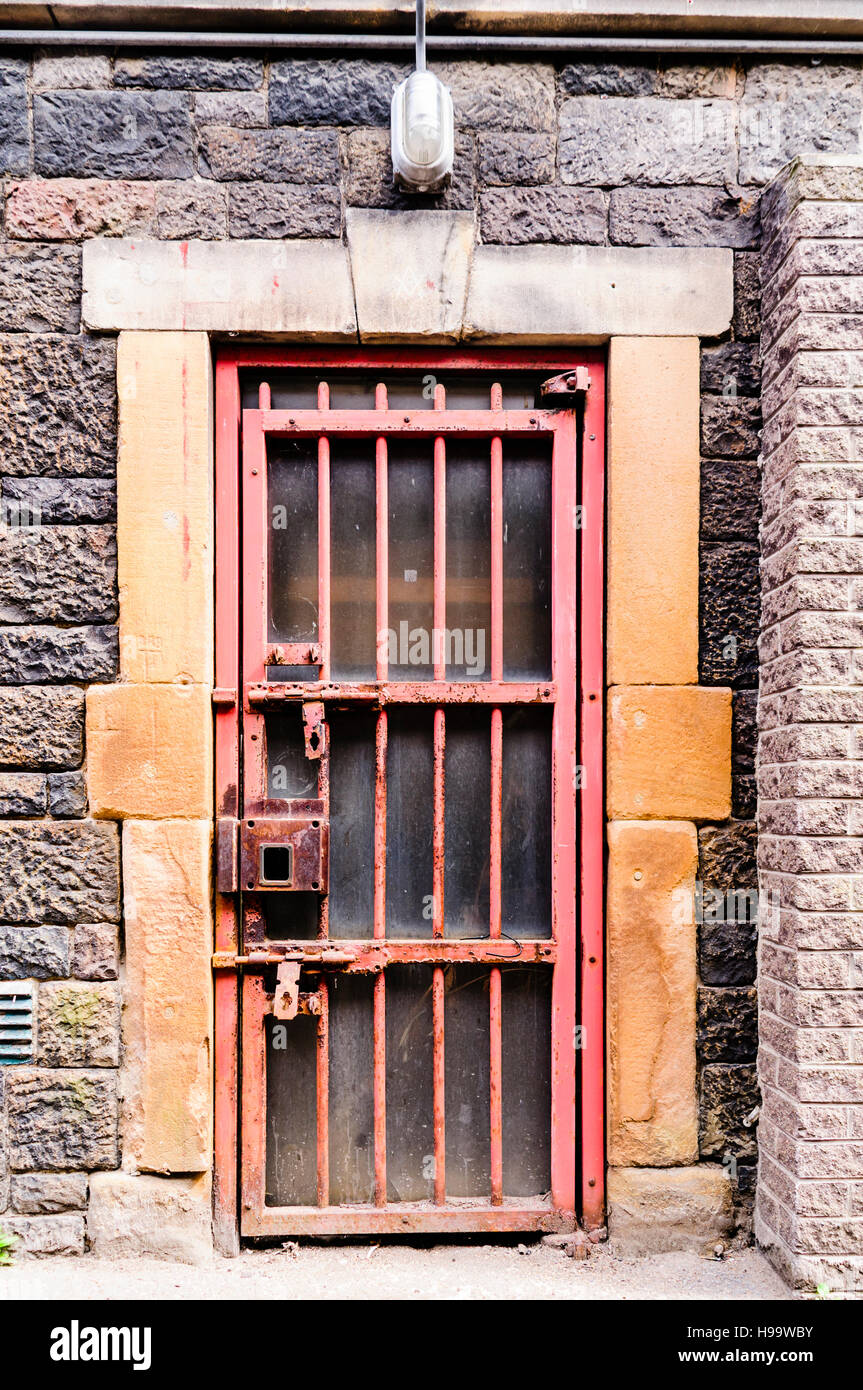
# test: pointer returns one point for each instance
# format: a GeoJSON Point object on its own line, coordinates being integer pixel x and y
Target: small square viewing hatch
{"type": "Point", "coordinates": [277, 864]}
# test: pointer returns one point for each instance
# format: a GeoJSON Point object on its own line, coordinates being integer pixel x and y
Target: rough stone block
{"type": "Point", "coordinates": [669, 752]}
{"type": "Point", "coordinates": [167, 1027]}
{"type": "Point", "coordinates": [165, 529]}
{"type": "Point", "coordinates": [274, 210]}
{"type": "Point", "coordinates": [34, 953]}
{"type": "Point", "coordinates": [270, 156]}
{"type": "Point", "coordinates": [14, 135]}
{"type": "Point", "coordinates": [501, 96]}
{"type": "Point", "coordinates": [729, 600]}
{"type": "Point", "coordinates": [62, 1119]}
{"type": "Point", "coordinates": [607, 79]}
{"type": "Point", "coordinates": [43, 1194]}
{"type": "Point", "coordinates": [789, 108]}
{"type": "Point", "coordinates": [79, 1025]}
{"type": "Point", "coordinates": [231, 108]}
{"type": "Point", "coordinates": [46, 1235]}
{"type": "Point", "coordinates": [113, 135]}
{"type": "Point", "coordinates": [56, 500]}
{"type": "Point", "coordinates": [188, 73]}
{"type": "Point", "coordinates": [604, 141]}
{"type": "Point", "coordinates": [730, 499]}
{"type": "Point", "coordinates": [730, 427]}
{"type": "Point", "coordinates": [518, 215]}
{"type": "Point", "coordinates": [32, 655]}
{"type": "Point", "coordinates": [95, 951]}
{"type": "Point", "coordinates": [726, 856]}
{"type": "Point", "coordinates": [729, 1094]}
{"type": "Point", "coordinates": [655, 1210]}
{"type": "Point", "coordinates": [747, 294]}
{"type": "Point", "coordinates": [55, 871]}
{"type": "Point", "coordinates": [72, 209]}
{"type": "Point", "coordinates": [185, 211]}
{"type": "Point", "coordinates": [135, 1215]}
{"type": "Point", "coordinates": [41, 726]}
{"type": "Point", "coordinates": [67, 795]}
{"type": "Point", "coordinates": [149, 751]}
{"type": "Point", "coordinates": [425, 299]}
{"type": "Point", "coordinates": [71, 70]}
{"type": "Point", "coordinates": [697, 80]}
{"type": "Point", "coordinates": [22, 794]}
{"type": "Point", "coordinates": [653, 511]}
{"type": "Point", "coordinates": [683, 217]}
{"type": "Point", "coordinates": [299, 289]}
{"type": "Point", "coordinates": [345, 91]}
{"type": "Point", "coordinates": [516, 157]}
{"type": "Point", "coordinates": [58, 407]}
{"type": "Point", "coordinates": [651, 1031]}
{"type": "Point", "coordinates": [57, 574]}
{"type": "Point", "coordinates": [731, 369]}
{"type": "Point", "coordinates": [40, 289]}
{"type": "Point", "coordinates": [727, 952]}
{"type": "Point", "coordinates": [727, 1024]}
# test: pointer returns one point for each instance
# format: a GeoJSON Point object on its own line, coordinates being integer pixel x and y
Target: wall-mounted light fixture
{"type": "Point", "coordinates": [421, 125]}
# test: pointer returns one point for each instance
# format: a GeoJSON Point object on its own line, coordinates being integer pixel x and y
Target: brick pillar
{"type": "Point", "coordinates": [809, 1213]}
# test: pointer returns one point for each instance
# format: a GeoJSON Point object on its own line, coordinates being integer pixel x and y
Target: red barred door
{"type": "Point", "coordinates": [405, 813]}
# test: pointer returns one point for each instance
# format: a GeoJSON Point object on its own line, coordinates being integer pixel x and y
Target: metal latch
{"type": "Point", "coordinates": [565, 389]}
{"type": "Point", "coordinates": [287, 998]}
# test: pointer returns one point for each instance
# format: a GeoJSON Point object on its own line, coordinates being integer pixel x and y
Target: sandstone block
{"type": "Point", "coordinates": [669, 752]}
{"type": "Point", "coordinates": [654, 1210]}
{"type": "Point", "coordinates": [131, 1216]}
{"type": "Point", "coordinates": [651, 993]}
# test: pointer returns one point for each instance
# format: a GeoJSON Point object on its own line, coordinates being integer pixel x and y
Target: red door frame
{"type": "Point", "coordinates": [582, 612]}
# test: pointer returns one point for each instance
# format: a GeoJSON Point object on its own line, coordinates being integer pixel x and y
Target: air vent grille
{"type": "Point", "coordinates": [16, 1023]}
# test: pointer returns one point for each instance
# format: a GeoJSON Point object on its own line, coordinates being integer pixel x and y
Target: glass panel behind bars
{"type": "Point", "coordinates": [292, 534]}
{"type": "Point", "coordinates": [352, 559]}
{"type": "Point", "coordinates": [526, 1088]}
{"type": "Point", "coordinates": [526, 559]}
{"type": "Point", "coordinates": [297, 389]}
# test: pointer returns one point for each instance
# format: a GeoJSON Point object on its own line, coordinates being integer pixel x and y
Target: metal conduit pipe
{"type": "Point", "coordinates": [464, 45]}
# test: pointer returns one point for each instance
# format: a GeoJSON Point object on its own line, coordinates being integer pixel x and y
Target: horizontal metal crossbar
{"type": "Point", "coordinates": [378, 693]}
{"type": "Point", "coordinates": [470, 424]}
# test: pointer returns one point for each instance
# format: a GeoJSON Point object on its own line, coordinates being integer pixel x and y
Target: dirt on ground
{"type": "Point", "coordinates": [397, 1271]}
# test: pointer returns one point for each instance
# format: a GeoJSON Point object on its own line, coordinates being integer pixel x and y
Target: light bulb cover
{"type": "Point", "coordinates": [422, 133]}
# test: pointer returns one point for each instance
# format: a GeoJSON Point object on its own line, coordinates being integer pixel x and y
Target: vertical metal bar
{"type": "Point", "coordinates": [227, 768]}
{"type": "Point", "coordinates": [380, 891]}
{"type": "Point", "coordinates": [438, 886]}
{"type": "Point", "coordinates": [563, 797]}
{"type": "Point", "coordinates": [323, 1094]}
{"type": "Point", "coordinates": [324, 627]}
{"type": "Point", "coordinates": [495, 830]}
{"type": "Point", "coordinates": [255, 582]}
{"type": "Point", "coordinates": [254, 1103]}
{"type": "Point", "coordinates": [591, 838]}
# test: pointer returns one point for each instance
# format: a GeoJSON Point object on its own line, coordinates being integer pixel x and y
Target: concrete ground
{"type": "Point", "coordinates": [368, 1271]}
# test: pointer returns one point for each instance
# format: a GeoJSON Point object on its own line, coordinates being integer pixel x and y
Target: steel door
{"type": "Point", "coordinates": [398, 788]}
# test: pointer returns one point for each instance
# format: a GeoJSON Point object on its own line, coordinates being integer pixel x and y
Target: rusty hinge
{"type": "Point", "coordinates": [566, 389]}
{"type": "Point", "coordinates": [223, 698]}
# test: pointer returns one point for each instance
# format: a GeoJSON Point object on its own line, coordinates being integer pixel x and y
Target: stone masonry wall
{"type": "Point", "coordinates": [200, 147]}
{"type": "Point", "coordinates": [810, 778]}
